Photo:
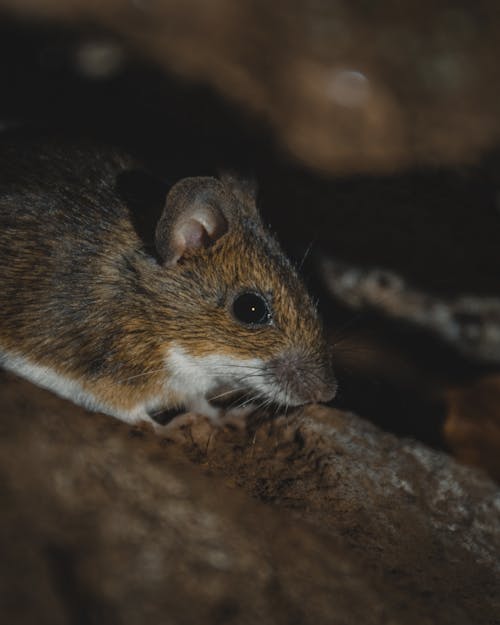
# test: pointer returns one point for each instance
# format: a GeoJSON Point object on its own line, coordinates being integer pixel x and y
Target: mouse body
{"type": "Point", "coordinates": [132, 321]}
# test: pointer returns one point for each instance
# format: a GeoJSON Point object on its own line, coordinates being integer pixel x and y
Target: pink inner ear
{"type": "Point", "coordinates": [194, 235]}
{"type": "Point", "coordinates": [199, 229]}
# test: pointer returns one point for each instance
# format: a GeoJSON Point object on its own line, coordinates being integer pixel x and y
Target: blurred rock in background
{"type": "Point", "coordinates": [347, 85]}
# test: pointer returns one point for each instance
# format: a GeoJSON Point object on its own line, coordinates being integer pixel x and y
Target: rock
{"type": "Point", "coordinates": [472, 428]}
{"type": "Point", "coordinates": [470, 324]}
{"type": "Point", "coordinates": [345, 87]}
{"type": "Point", "coordinates": [317, 517]}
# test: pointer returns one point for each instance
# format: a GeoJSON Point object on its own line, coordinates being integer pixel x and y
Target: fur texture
{"type": "Point", "coordinates": [86, 298]}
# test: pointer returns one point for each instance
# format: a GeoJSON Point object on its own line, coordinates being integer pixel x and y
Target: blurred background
{"type": "Point", "coordinates": [373, 131]}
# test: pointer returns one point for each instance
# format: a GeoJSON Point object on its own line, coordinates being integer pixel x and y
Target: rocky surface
{"type": "Point", "coordinates": [470, 324]}
{"type": "Point", "coordinates": [346, 86]}
{"type": "Point", "coordinates": [472, 427]}
{"type": "Point", "coordinates": [316, 517]}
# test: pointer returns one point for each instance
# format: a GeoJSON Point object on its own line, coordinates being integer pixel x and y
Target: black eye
{"type": "Point", "coordinates": [251, 309]}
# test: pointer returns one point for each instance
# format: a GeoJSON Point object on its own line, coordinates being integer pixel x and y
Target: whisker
{"type": "Point", "coordinates": [233, 390]}
{"type": "Point", "coordinates": [139, 375]}
{"type": "Point", "coordinates": [248, 375]}
{"type": "Point", "coordinates": [160, 410]}
{"type": "Point", "coordinates": [250, 400]}
{"type": "Point", "coordinates": [241, 366]}
{"type": "Point", "coordinates": [227, 373]}
{"type": "Point", "coordinates": [306, 254]}
{"type": "Point", "coordinates": [241, 400]}
{"type": "Point", "coordinates": [264, 403]}
{"type": "Point", "coordinates": [287, 403]}
{"type": "Point", "coordinates": [277, 406]}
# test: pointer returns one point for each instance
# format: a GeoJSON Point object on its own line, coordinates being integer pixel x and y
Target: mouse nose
{"type": "Point", "coordinates": [304, 378]}
{"type": "Point", "coordinates": [326, 391]}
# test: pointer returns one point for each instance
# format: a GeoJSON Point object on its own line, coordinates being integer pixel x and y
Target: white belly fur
{"type": "Point", "coordinates": [64, 386]}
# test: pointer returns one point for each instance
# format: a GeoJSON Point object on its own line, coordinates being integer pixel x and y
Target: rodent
{"type": "Point", "coordinates": [132, 322]}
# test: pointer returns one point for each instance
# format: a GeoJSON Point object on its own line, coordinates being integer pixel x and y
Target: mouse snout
{"type": "Point", "coordinates": [304, 378]}
{"type": "Point", "coordinates": [325, 392]}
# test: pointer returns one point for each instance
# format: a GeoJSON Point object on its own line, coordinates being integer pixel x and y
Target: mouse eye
{"type": "Point", "coordinates": [251, 309]}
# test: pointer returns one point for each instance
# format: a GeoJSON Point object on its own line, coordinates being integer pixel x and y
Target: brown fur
{"type": "Point", "coordinates": [82, 293]}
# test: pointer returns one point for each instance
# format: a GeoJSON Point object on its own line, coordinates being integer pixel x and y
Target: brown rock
{"type": "Point", "coordinates": [472, 428]}
{"type": "Point", "coordinates": [104, 524]}
{"type": "Point", "coordinates": [470, 324]}
{"type": "Point", "coordinates": [346, 87]}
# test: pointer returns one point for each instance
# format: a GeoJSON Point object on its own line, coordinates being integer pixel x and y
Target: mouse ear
{"type": "Point", "coordinates": [197, 213]}
{"type": "Point", "coordinates": [243, 188]}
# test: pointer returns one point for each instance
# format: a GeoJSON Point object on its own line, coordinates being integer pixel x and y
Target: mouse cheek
{"type": "Point", "coordinates": [302, 378]}
{"type": "Point", "coordinates": [219, 380]}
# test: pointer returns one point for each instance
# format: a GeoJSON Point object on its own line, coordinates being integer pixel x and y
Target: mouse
{"type": "Point", "coordinates": [139, 304]}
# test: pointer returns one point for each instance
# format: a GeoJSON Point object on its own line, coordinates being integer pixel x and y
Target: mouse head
{"type": "Point", "coordinates": [243, 318]}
